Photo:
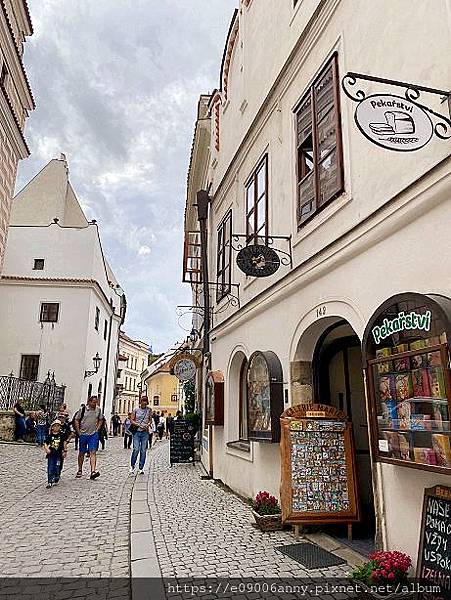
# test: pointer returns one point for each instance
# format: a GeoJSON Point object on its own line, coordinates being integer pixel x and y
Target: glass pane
{"type": "Point", "coordinates": [258, 395]}
{"type": "Point", "coordinates": [307, 203]}
{"type": "Point", "coordinates": [261, 180]}
{"type": "Point", "coordinates": [306, 158]}
{"type": "Point", "coordinates": [304, 120]}
{"type": "Point", "coordinates": [250, 224]}
{"type": "Point", "coordinates": [228, 229]}
{"type": "Point", "coordinates": [324, 94]}
{"type": "Point", "coordinates": [327, 135]}
{"type": "Point", "coordinates": [261, 213]}
{"type": "Point", "coordinates": [329, 180]}
{"type": "Point", "coordinates": [250, 197]}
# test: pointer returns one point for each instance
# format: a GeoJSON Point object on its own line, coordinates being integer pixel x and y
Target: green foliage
{"type": "Point", "coordinates": [189, 390]}
{"type": "Point", "coordinates": [194, 418]}
{"type": "Point", "coordinates": [363, 572]}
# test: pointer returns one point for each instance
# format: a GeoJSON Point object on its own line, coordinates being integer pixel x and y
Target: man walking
{"type": "Point", "coordinates": [141, 423]}
{"type": "Point", "coordinates": [87, 423]}
{"type": "Point", "coordinates": [116, 421]}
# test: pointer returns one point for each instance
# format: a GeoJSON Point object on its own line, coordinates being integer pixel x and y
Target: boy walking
{"type": "Point", "coordinates": [55, 448]}
{"type": "Point", "coordinates": [87, 423]}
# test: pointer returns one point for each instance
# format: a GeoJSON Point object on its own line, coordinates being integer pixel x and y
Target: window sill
{"type": "Point", "coordinates": [240, 445]}
{"type": "Point", "coordinates": [321, 217]}
{"type": "Point", "coordinates": [240, 449]}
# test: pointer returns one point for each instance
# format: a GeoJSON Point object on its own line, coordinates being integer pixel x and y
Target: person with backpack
{"type": "Point", "coordinates": [87, 423]}
{"type": "Point", "coordinates": [76, 436]}
{"type": "Point", "coordinates": [103, 433]}
{"type": "Point", "coordinates": [141, 425]}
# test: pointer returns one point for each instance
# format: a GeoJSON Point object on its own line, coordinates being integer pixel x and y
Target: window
{"type": "Point", "coordinates": [319, 151]}
{"type": "Point", "coordinates": [257, 203]}
{"type": "Point", "coordinates": [244, 436]}
{"type": "Point", "coordinates": [49, 312]}
{"type": "Point", "coordinates": [174, 398]}
{"type": "Point", "coordinates": [4, 77]}
{"type": "Point", "coordinates": [89, 391]}
{"type": "Point", "coordinates": [224, 255]}
{"type": "Point", "coordinates": [126, 383]}
{"type": "Point", "coordinates": [97, 320]}
{"type": "Point", "coordinates": [29, 367]}
{"type": "Point", "coordinates": [105, 329]}
{"type": "Point", "coordinates": [38, 264]}
{"type": "Point", "coordinates": [156, 400]}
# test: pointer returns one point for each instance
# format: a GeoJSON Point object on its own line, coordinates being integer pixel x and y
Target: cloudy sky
{"type": "Point", "coordinates": [116, 83]}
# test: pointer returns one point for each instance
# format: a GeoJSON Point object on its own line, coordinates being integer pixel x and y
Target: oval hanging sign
{"type": "Point", "coordinates": [258, 260]}
{"type": "Point", "coordinates": [393, 122]}
{"type": "Point", "coordinates": [185, 369]}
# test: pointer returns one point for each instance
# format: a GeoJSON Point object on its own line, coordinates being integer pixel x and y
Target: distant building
{"type": "Point", "coordinates": [16, 101]}
{"type": "Point", "coordinates": [60, 304]}
{"type": "Point", "coordinates": [134, 357]}
{"type": "Point", "coordinates": [163, 389]}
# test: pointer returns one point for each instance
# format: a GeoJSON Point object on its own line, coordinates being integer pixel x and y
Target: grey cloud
{"type": "Point", "coordinates": [116, 84]}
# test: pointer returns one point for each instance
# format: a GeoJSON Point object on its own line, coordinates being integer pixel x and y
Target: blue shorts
{"type": "Point", "coordinates": [88, 443]}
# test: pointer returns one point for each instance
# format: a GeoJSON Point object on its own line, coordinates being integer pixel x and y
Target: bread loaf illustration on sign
{"type": "Point", "coordinates": [397, 123]}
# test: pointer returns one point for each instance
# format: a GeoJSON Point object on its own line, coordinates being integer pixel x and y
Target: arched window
{"type": "Point", "coordinates": [243, 427]}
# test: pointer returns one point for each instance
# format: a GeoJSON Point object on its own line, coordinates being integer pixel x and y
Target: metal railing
{"type": "Point", "coordinates": [30, 393]}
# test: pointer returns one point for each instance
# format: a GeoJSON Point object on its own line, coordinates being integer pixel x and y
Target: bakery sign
{"type": "Point", "coordinates": [395, 122]}
{"type": "Point", "coordinates": [403, 321]}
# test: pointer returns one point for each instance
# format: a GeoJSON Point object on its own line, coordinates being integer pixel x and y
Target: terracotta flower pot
{"type": "Point", "coordinates": [268, 522]}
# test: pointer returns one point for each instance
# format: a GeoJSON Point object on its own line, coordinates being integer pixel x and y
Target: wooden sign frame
{"type": "Point", "coordinates": [311, 412]}
{"type": "Point", "coordinates": [441, 492]}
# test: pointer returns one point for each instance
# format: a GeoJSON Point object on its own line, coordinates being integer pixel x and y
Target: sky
{"type": "Point", "coordinates": [116, 85]}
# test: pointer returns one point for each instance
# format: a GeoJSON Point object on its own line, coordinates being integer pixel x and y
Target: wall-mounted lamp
{"type": "Point", "coordinates": [96, 360]}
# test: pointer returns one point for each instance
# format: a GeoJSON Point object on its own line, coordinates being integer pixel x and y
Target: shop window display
{"type": "Point", "coordinates": [408, 375]}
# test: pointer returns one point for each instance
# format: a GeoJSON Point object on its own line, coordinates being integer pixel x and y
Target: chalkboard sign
{"type": "Point", "coordinates": [434, 557]}
{"type": "Point", "coordinates": [181, 443]}
{"type": "Point", "coordinates": [318, 473]}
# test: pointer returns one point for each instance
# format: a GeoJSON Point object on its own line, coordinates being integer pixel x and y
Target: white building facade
{"type": "Point", "coordinates": [366, 228]}
{"type": "Point", "coordinates": [133, 360]}
{"type": "Point", "coordinates": [60, 305]}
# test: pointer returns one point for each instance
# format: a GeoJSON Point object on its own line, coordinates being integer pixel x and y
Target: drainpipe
{"type": "Point", "coordinates": [105, 389]}
{"type": "Point", "coordinates": [203, 200]}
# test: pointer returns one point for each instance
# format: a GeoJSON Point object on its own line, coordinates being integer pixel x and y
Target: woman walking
{"type": "Point", "coordinates": [141, 424]}
{"type": "Point", "coordinates": [19, 414]}
{"type": "Point", "coordinates": [128, 437]}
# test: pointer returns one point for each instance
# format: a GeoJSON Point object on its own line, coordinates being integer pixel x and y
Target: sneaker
{"type": "Point", "coordinates": [94, 475]}
{"type": "Point", "coordinates": [141, 472]}
{"type": "Point", "coordinates": [132, 471]}
{"type": "Point", "coordinates": [79, 474]}
{"type": "Point", "coordinates": [48, 486]}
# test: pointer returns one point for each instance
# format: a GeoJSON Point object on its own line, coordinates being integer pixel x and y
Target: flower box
{"type": "Point", "coordinates": [268, 522]}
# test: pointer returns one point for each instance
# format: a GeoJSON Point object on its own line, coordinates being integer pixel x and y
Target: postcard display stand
{"type": "Point", "coordinates": [318, 467]}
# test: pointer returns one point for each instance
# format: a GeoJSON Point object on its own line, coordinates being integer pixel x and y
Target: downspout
{"type": "Point", "coordinates": [107, 363]}
{"type": "Point", "coordinates": [203, 200]}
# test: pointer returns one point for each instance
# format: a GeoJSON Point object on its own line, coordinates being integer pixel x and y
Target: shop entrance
{"type": "Point", "coordinates": [338, 381]}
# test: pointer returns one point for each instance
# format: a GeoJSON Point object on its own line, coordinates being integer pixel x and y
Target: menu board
{"type": "Point", "coordinates": [318, 472]}
{"type": "Point", "coordinates": [181, 443]}
{"type": "Point", "coordinates": [434, 557]}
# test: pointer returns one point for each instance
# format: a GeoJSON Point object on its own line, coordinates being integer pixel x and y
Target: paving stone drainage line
{"type": "Point", "coordinates": [143, 553]}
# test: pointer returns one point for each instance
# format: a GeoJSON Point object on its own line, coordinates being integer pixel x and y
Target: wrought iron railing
{"type": "Point", "coordinates": [30, 393]}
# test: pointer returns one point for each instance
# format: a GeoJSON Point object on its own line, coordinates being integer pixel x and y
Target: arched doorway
{"type": "Point", "coordinates": [336, 367]}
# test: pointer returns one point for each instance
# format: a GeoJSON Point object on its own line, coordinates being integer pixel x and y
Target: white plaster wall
{"type": "Point", "coordinates": [401, 254]}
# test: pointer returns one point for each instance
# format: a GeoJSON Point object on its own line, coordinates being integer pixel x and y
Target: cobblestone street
{"type": "Point", "coordinates": [82, 528]}
{"type": "Point", "coordinates": [79, 528]}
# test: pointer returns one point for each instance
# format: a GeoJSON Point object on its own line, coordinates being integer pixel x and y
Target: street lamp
{"type": "Point", "coordinates": [194, 335]}
{"type": "Point", "coordinates": [96, 360]}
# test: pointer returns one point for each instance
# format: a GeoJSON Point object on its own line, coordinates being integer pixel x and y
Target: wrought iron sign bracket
{"type": "Point", "coordinates": [400, 123]}
{"type": "Point", "coordinates": [258, 260]}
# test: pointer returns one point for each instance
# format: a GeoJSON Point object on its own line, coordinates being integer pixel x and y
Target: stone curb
{"type": "Point", "coordinates": [144, 563]}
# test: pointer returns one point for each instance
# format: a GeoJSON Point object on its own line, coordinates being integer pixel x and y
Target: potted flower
{"type": "Point", "coordinates": [267, 512]}
{"type": "Point", "coordinates": [383, 576]}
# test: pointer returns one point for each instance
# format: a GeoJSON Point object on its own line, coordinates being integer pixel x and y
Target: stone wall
{"type": "Point", "coordinates": [7, 425]}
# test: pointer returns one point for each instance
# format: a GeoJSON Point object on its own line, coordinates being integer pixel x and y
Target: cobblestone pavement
{"type": "Point", "coordinates": [202, 530]}
{"type": "Point", "coordinates": [79, 528]}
